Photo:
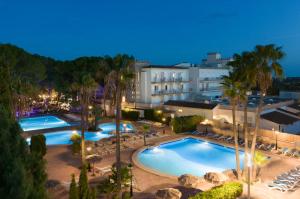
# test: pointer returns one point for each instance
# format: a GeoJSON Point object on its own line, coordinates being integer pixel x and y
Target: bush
{"type": "Point", "coordinates": [38, 145]}
{"type": "Point", "coordinates": [185, 123]}
{"type": "Point", "coordinates": [230, 190]}
{"type": "Point", "coordinates": [130, 115]}
{"type": "Point", "coordinates": [153, 115]}
{"type": "Point", "coordinates": [76, 143]}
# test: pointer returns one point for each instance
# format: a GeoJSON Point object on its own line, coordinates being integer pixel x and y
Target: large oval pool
{"type": "Point", "coordinates": [188, 156]}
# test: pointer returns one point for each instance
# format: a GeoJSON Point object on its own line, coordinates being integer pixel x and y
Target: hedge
{"type": "Point", "coordinates": [151, 114]}
{"type": "Point", "coordinates": [230, 190]}
{"type": "Point", "coordinates": [130, 115]}
{"type": "Point", "coordinates": [186, 123]}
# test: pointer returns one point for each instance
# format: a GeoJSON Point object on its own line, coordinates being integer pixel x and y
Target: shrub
{"type": "Point", "coordinates": [185, 123]}
{"type": "Point", "coordinates": [38, 145]}
{"type": "Point", "coordinates": [153, 115]}
{"type": "Point", "coordinates": [130, 115]}
{"type": "Point", "coordinates": [76, 143]}
{"type": "Point", "coordinates": [230, 190]}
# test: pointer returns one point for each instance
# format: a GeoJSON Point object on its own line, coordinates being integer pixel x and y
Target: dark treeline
{"type": "Point", "coordinates": [23, 76]}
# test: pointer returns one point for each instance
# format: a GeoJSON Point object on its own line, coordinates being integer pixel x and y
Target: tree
{"type": "Point", "coordinates": [85, 85]}
{"type": "Point", "coordinates": [145, 130]}
{"type": "Point", "coordinates": [243, 67]}
{"type": "Point", "coordinates": [266, 65]}
{"type": "Point", "coordinates": [119, 81]}
{"type": "Point", "coordinates": [38, 144]}
{"type": "Point", "coordinates": [22, 72]}
{"type": "Point", "coordinates": [22, 173]}
{"type": "Point", "coordinates": [73, 193]}
{"type": "Point", "coordinates": [231, 90]}
{"type": "Point", "coordinates": [83, 187]}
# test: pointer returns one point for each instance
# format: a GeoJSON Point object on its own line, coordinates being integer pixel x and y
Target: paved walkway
{"type": "Point", "coordinates": [61, 164]}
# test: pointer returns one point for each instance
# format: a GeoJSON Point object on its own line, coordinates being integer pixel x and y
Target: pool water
{"type": "Point", "coordinates": [111, 126]}
{"type": "Point", "coordinates": [41, 122]}
{"type": "Point", "coordinates": [189, 156]}
{"type": "Point", "coordinates": [63, 137]}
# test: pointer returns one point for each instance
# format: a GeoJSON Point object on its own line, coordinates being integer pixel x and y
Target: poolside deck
{"type": "Point", "coordinates": [61, 164]}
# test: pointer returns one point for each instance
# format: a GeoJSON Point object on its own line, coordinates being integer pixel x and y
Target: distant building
{"type": "Point", "coordinates": [156, 84]}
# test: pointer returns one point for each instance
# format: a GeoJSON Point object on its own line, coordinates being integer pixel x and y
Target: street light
{"type": "Point", "coordinates": [249, 165]}
{"type": "Point", "coordinates": [131, 184]}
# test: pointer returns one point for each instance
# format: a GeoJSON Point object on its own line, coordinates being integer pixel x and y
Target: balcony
{"type": "Point", "coordinates": [169, 80]}
{"type": "Point", "coordinates": [170, 92]}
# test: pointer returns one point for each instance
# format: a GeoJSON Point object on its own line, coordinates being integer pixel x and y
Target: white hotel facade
{"type": "Point", "coordinates": [157, 84]}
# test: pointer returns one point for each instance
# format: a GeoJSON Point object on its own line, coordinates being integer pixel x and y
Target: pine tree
{"type": "Point", "coordinates": [73, 193]}
{"type": "Point", "coordinates": [83, 184]}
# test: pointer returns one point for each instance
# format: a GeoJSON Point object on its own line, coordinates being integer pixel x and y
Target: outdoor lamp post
{"type": "Point", "coordinates": [238, 131]}
{"type": "Point", "coordinates": [249, 165]}
{"type": "Point", "coordinates": [131, 186]}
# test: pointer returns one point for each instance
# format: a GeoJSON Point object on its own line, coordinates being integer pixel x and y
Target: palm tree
{"type": "Point", "coordinates": [145, 130]}
{"type": "Point", "coordinates": [266, 60]}
{"type": "Point", "coordinates": [243, 66]}
{"type": "Point", "coordinates": [85, 85]}
{"type": "Point", "coordinates": [231, 90]}
{"type": "Point", "coordinates": [118, 82]}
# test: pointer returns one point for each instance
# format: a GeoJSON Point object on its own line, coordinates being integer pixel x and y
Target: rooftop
{"type": "Point", "coordinates": [190, 104]}
{"type": "Point", "coordinates": [279, 118]}
{"type": "Point", "coordinates": [165, 67]}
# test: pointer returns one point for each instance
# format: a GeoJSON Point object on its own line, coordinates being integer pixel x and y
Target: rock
{"type": "Point", "coordinates": [216, 178]}
{"type": "Point", "coordinates": [231, 174]}
{"type": "Point", "coordinates": [168, 193]}
{"type": "Point", "coordinates": [190, 181]}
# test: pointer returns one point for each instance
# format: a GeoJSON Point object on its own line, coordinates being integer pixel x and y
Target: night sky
{"type": "Point", "coordinates": [160, 31]}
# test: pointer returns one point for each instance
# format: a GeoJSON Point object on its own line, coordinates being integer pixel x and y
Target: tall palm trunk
{"type": "Point", "coordinates": [257, 124]}
{"type": "Point", "coordinates": [118, 150]}
{"type": "Point", "coordinates": [246, 136]}
{"type": "Point", "coordinates": [82, 126]}
{"type": "Point", "coordinates": [237, 156]}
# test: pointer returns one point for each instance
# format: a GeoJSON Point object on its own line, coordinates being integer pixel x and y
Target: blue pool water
{"type": "Point", "coordinates": [63, 137]}
{"type": "Point", "coordinates": [42, 122]}
{"type": "Point", "coordinates": [189, 156]}
{"type": "Point", "coordinates": [111, 126]}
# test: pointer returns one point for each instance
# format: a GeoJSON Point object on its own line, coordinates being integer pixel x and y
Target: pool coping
{"type": "Point", "coordinates": [136, 162]}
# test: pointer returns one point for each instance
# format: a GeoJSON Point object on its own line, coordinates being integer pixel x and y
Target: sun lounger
{"type": "Point", "coordinates": [282, 150]}
{"type": "Point", "coordinates": [222, 137]}
{"type": "Point", "coordinates": [104, 170]}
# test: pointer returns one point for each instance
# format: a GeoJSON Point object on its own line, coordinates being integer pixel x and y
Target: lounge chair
{"type": "Point", "coordinates": [283, 150]}
{"type": "Point", "coordinates": [288, 152]}
{"type": "Point", "coordinates": [228, 139]}
{"type": "Point", "coordinates": [296, 154]}
{"type": "Point", "coordinates": [222, 137]}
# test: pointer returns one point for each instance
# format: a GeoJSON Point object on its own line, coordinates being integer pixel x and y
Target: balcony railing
{"type": "Point", "coordinates": [170, 79]}
{"type": "Point", "coordinates": [170, 92]}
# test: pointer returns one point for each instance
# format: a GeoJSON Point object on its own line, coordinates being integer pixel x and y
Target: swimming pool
{"type": "Point", "coordinates": [41, 122]}
{"type": "Point", "coordinates": [111, 126]}
{"type": "Point", "coordinates": [188, 156]}
{"type": "Point", "coordinates": [63, 137]}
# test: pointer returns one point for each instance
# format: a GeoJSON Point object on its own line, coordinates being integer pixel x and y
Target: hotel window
{"type": "Point", "coordinates": [181, 86]}
{"type": "Point", "coordinates": [166, 87]}
{"type": "Point", "coordinates": [155, 88]}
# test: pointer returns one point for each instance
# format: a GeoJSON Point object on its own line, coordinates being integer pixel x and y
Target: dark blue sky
{"type": "Point", "coordinates": [160, 31]}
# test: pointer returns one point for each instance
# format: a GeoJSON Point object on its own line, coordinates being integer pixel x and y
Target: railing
{"type": "Point", "coordinates": [170, 79]}
{"type": "Point", "coordinates": [168, 92]}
